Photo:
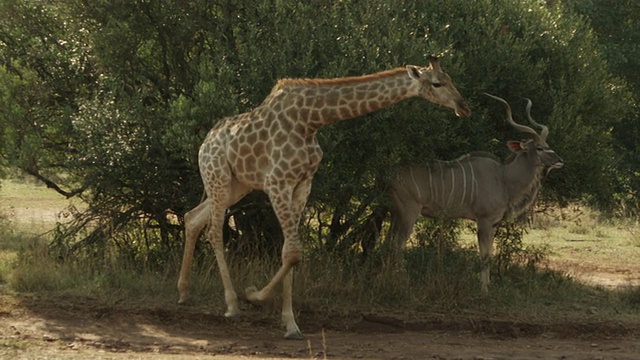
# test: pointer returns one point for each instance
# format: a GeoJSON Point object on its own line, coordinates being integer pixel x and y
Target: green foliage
{"type": "Point", "coordinates": [512, 256]}
{"type": "Point", "coordinates": [117, 97]}
{"type": "Point", "coordinates": [439, 234]}
{"type": "Point", "coordinates": [44, 68]}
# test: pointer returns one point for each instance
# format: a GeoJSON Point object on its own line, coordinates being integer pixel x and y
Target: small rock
{"type": "Point", "coordinates": [72, 346]}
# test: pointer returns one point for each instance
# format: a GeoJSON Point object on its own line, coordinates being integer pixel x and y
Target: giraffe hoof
{"type": "Point", "coordinates": [296, 335]}
{"type": "Point", "coordinates": [252, 294]}
{"type": "Point", "coordinates": [185, 301]}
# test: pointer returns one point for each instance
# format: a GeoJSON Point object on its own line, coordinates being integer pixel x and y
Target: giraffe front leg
{"type": "Point", "coordinates": [288, 318]}
{"type": "Point", "coordinates": [300, 196]}
{"type": "Point", "coordinates": [288, 208]}
{"type": "Point", "coordinates": [289, 259]}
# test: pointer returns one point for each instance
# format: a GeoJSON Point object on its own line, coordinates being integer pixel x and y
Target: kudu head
{"type": "Point", "coordinates": [437, 87]}
{"type": "Point", "coordinates": [537, 146]}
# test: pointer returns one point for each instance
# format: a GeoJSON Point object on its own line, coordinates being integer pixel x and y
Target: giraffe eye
{"type": "Point", "coordinates": [436, 85]}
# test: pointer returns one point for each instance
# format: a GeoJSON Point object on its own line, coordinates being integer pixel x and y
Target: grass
{"type": "Point", "coordinates": [34, 209]}
{"type": "Point", "coordinates": [13, 344]}
{"type": "Point", "coordinates": [427, 282]}
{"type": "Point", "coordinates": [27, 212]}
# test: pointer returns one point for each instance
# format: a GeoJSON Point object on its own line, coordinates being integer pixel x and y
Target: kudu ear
{"type": "Point", "coordinates": [515, 146]}
{"type": "Point", "coordinates": [413, 71]}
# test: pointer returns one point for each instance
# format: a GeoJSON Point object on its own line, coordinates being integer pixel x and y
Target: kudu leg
{"type": "Point", "coordinates": [404, 214]}
{"type": "Point", "coordinates": [485, 243]}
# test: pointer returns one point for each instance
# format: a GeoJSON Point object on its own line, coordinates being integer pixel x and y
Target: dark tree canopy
{"type": "Point", "coordinates": [109, 101]}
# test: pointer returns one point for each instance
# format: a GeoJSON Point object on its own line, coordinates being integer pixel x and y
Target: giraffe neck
{"type": "Point", "coordinates": [319, 102]}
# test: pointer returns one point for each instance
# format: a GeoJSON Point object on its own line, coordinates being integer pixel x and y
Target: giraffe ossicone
{"type": "Point", "coordinates": [273, 148]}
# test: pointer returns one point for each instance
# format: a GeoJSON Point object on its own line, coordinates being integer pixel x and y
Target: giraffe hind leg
{"type": "Point", "coordinates": [215, 236]}
{"type": "Point", "coordinates": [221, 198]}
{"type": "Point", "coordinates": [195, 220]}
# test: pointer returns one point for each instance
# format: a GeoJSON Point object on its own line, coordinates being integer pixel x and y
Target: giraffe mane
{"type": "Point", "coordinates": [337, 81]}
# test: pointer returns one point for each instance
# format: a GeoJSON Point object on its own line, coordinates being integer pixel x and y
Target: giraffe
{"type": "Point", "coordinates": [273, 148]}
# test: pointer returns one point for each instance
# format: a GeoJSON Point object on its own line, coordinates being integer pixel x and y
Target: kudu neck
{"type": "Point", "coordinates": [521, 172]}
{"type": "Point", "coordinates": [522, 181]}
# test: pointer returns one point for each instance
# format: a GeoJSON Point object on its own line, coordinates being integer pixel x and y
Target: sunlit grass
{"type": "Point", "coordinates": [32, 208]}
{"type": "Point", "coordinates": [582, 244]}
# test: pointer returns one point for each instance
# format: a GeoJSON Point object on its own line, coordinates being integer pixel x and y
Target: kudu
{"type": "Point", "coordinates": [475, 186]}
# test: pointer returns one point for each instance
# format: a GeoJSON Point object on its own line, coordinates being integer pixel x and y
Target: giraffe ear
{"type": "Point", "coordinates": [413, 71]}
{"type": "Point", "coordinates": [434, 64]}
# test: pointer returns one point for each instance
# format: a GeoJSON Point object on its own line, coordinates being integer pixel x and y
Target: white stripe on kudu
{"type": "Point", "coordinates": [474, 183]}
{"type": "Point", "coordinates": [431, 190]}
{"type": "Point", "coordinates": [453, 186]}
{"type": "Point", "coordinates": [464, 183]}
{"type": "Point", "coordinates": [415, 184]}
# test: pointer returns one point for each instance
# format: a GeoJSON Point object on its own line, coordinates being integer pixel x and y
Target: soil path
{"type": "Point", "coordinates": [77, 328]}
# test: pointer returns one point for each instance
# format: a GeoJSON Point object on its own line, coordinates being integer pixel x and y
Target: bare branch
{"type": "Point", "coordinates": [52, 185]}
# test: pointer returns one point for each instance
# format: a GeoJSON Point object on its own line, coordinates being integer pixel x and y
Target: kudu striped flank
{"type": "Point", "coordinates": [475, 186]}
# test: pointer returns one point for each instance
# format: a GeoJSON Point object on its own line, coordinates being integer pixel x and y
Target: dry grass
{"type": "Point", "coordinates": [581, 244]}
{"type": "Point", "coordinates": [592, 248]}
{"type": "Point", "coordinates": [28, 211]}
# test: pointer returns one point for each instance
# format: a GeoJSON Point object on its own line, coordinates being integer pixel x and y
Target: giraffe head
{"type": "Point", "coordinates": [436, 86]}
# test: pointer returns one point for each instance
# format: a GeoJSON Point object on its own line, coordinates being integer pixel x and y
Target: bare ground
{"type": "Point", "coordinates": [81, 328]}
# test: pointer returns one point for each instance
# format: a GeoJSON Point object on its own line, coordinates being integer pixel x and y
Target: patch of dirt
{"type": "Point", "coordinates": [601, 274]}
{"type": "Point", "coordinates": [82, 328]}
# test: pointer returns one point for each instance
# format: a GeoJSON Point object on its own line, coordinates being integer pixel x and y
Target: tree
{"type": "Point", "coordinates": [117, 96]}
{"type": "Point", "coordinates": [617, 28]}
